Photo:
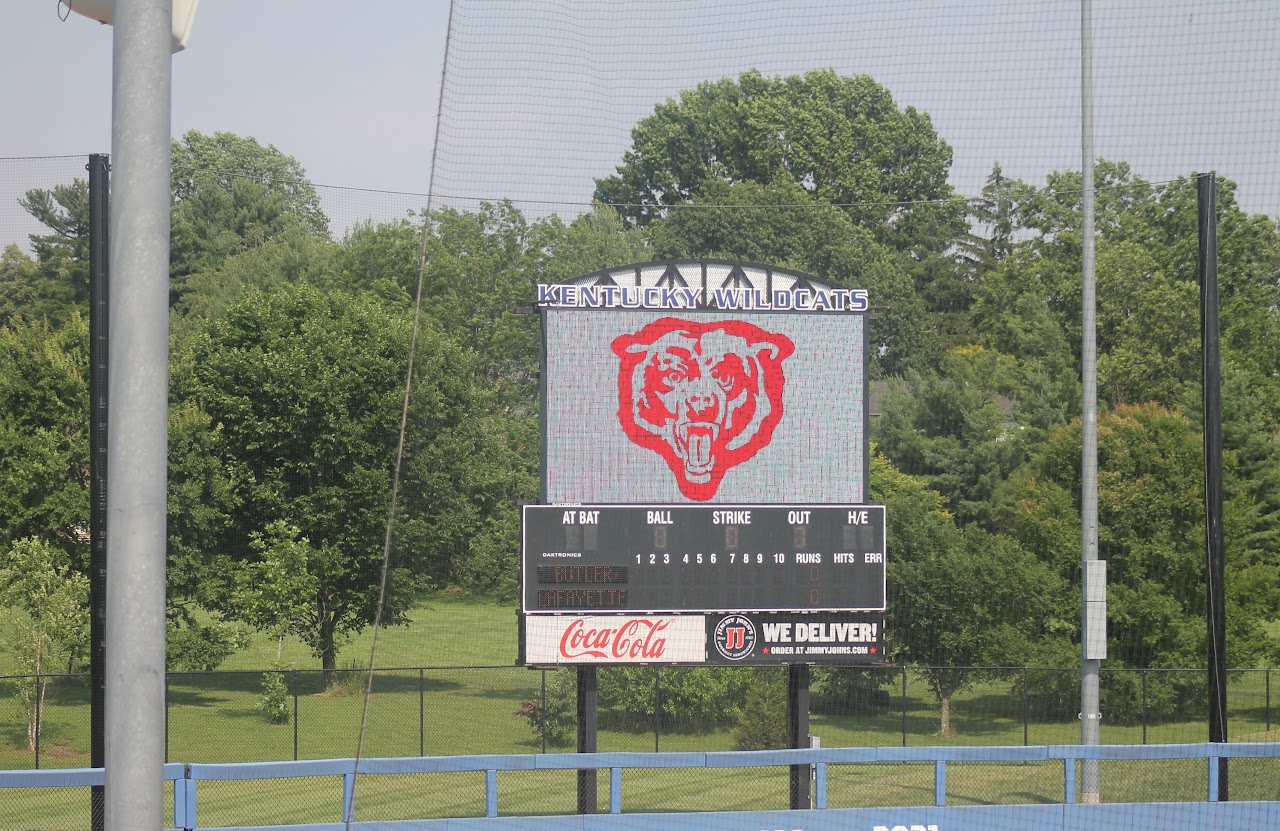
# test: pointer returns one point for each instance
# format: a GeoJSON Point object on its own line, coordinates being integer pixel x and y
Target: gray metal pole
{"type": "Point", "coordinates": [1090, 637]}
{"type": "Point", "coordinates": [137, 430]}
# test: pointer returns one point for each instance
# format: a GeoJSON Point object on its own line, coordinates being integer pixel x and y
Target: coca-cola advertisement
{"type": "Point", "coordinates": [615, 639]}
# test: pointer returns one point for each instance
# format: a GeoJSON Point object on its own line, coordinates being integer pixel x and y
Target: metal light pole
{"type": "Point", "coordinates": [1093, 611]}
{"type": "Point", "coordinates": [145, 33]}
{"type": "Point", "coordinates": [138, 427]}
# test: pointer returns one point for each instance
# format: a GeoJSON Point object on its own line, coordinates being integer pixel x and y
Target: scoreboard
{"type": "Point", "coordinates": [695, 558]}
{"type": "Point", "coordinates": [682, 402]}
{"type": "Point", "coordinates": [702, 584]}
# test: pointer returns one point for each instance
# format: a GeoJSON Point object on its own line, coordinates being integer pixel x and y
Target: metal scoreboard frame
{"type": "Point", "coordinates": [680, 399]}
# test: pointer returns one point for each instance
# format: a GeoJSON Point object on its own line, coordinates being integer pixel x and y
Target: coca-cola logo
{"type": "Point", "coordinates": [634, 638]}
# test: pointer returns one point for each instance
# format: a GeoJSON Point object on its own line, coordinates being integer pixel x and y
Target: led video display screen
{"type": "Point", "coordinates": [685, 405]}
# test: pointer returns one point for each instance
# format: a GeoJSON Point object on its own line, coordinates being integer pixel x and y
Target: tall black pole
{"type": "Point", "coordinates": [798, 730]}
{"type": "Point", "coordinates": [1212, 407]}
{"type": "Point", "coordinates": [99, 207]}
{"type": "Point", "coordinates": [587, 723]}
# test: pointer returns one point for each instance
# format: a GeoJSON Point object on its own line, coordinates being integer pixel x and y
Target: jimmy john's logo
{"type": "Point", "coordinates": [735, 637]}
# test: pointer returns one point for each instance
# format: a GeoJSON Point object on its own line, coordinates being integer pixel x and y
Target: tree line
{"type": "Point", "coordinates": [289, 350]}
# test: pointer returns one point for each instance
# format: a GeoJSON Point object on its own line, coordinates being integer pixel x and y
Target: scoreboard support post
{"type": "Point", "coordinates": [798, 730]}
{"type": "Point", "coordinates": [587, 723]}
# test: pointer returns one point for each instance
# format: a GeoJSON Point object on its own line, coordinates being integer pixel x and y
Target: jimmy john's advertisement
{"type": "Point", "coordinates": [838, 639]}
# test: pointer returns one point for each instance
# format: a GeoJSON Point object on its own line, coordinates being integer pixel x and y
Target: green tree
{"type": "Point", "coordinates": [275, 592]}
{"type": "Point", "coordinates": [598, 239]}
{"type": "Point", "coordinates": [695, 698]}
{"type": "Point", "coordinates": [59, 283]}
{"type": "Point", "coordinates": [1045, 263]}
{"type": "Point", "coordinates": [1148, 234]}
{"type": "Point", "coordinates": [960, 600]}
{"type": "Point", "coordinates": [993, 217]}
{"type": "Point", "coordinates": [304, 389]}
{"type": "Point", "coordinates": [762, 721]}
{"type": "Point", "coordinates": [1014, 312]}
{"type": "Point", "coordinates": [481, 268]}
{"type": "Point", "coordinates": [819, 172]}
{"type": "Point", "coordinates": [948, 286]}
{"type": "Point", "coordinates": [1151, 533]}
{"type": "Point", "coordinates": [467, 469]}
{"type": "Point", "coordinates": [202, 498]}
{"type": "Point", "coordinates": [843, 139]}
{"type": "Point", "coordinates": [231, 194]}
{"type": "Point", "coordinates": [554, 718]}
{"type": "Point", "coordinates": [44, 444]}
{"type": "Point", "coordinates": [374, 257]}
{"type": "Point", "coordinates": [20, 284]}
{"type": "Point", "coordinates": [203, 493]}
{"type": "Point", "coordinates": [743, 220]}
{"type": "Point", "coordinates": [957, 428]}
{"type": "Point", "coordinates": [46, 604]}
{"type": "Point", "coordinates": [1147, 330]}
{"type": "Point", "coordinates": [1251, 434]}
{"type": "Point", "coordinates": [44, 473]}
{"type": "Point", "coordinates": [290, 258]}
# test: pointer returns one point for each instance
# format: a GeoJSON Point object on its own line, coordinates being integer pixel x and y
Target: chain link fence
{"type": "Point", "coordinates": [235, 716]}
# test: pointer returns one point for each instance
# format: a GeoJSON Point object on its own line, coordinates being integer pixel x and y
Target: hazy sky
{"type": "Point", "coordinates": [349, 89]}
{"type": "Point", "coordinates": [1180, 86]}
{"type": "Point", "coordinates": [542, 93]}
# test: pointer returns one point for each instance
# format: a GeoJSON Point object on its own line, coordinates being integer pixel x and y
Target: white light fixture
{"type": "Point", "coordinates": [184, 16]}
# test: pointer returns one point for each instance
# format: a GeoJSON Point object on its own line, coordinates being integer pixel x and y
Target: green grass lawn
{"type": "Point", "coordinates": [442, 631]}
{"type": "Point", "coordinates": [444, 709]}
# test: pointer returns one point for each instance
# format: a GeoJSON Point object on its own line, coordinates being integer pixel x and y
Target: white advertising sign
{"type": "Point", "coordinates": [615, 639]}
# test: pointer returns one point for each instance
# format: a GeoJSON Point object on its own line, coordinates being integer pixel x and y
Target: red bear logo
{"type": "Point", "coordinates": [706, 396]}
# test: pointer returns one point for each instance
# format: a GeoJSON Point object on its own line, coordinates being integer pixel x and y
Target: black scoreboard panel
{"type": "Point", "coordinates": [613, 558]}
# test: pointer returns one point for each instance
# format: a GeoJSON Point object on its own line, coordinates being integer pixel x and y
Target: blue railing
{"type": "Point", "coordinates": [1066, 815]}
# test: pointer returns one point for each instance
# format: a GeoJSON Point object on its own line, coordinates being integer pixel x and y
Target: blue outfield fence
{"type": "Point", "coordinates": [1067, 814]}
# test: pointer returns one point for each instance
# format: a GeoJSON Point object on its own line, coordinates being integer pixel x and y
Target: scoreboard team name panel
{"type": "Point", "coordinates": [602, 559]}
